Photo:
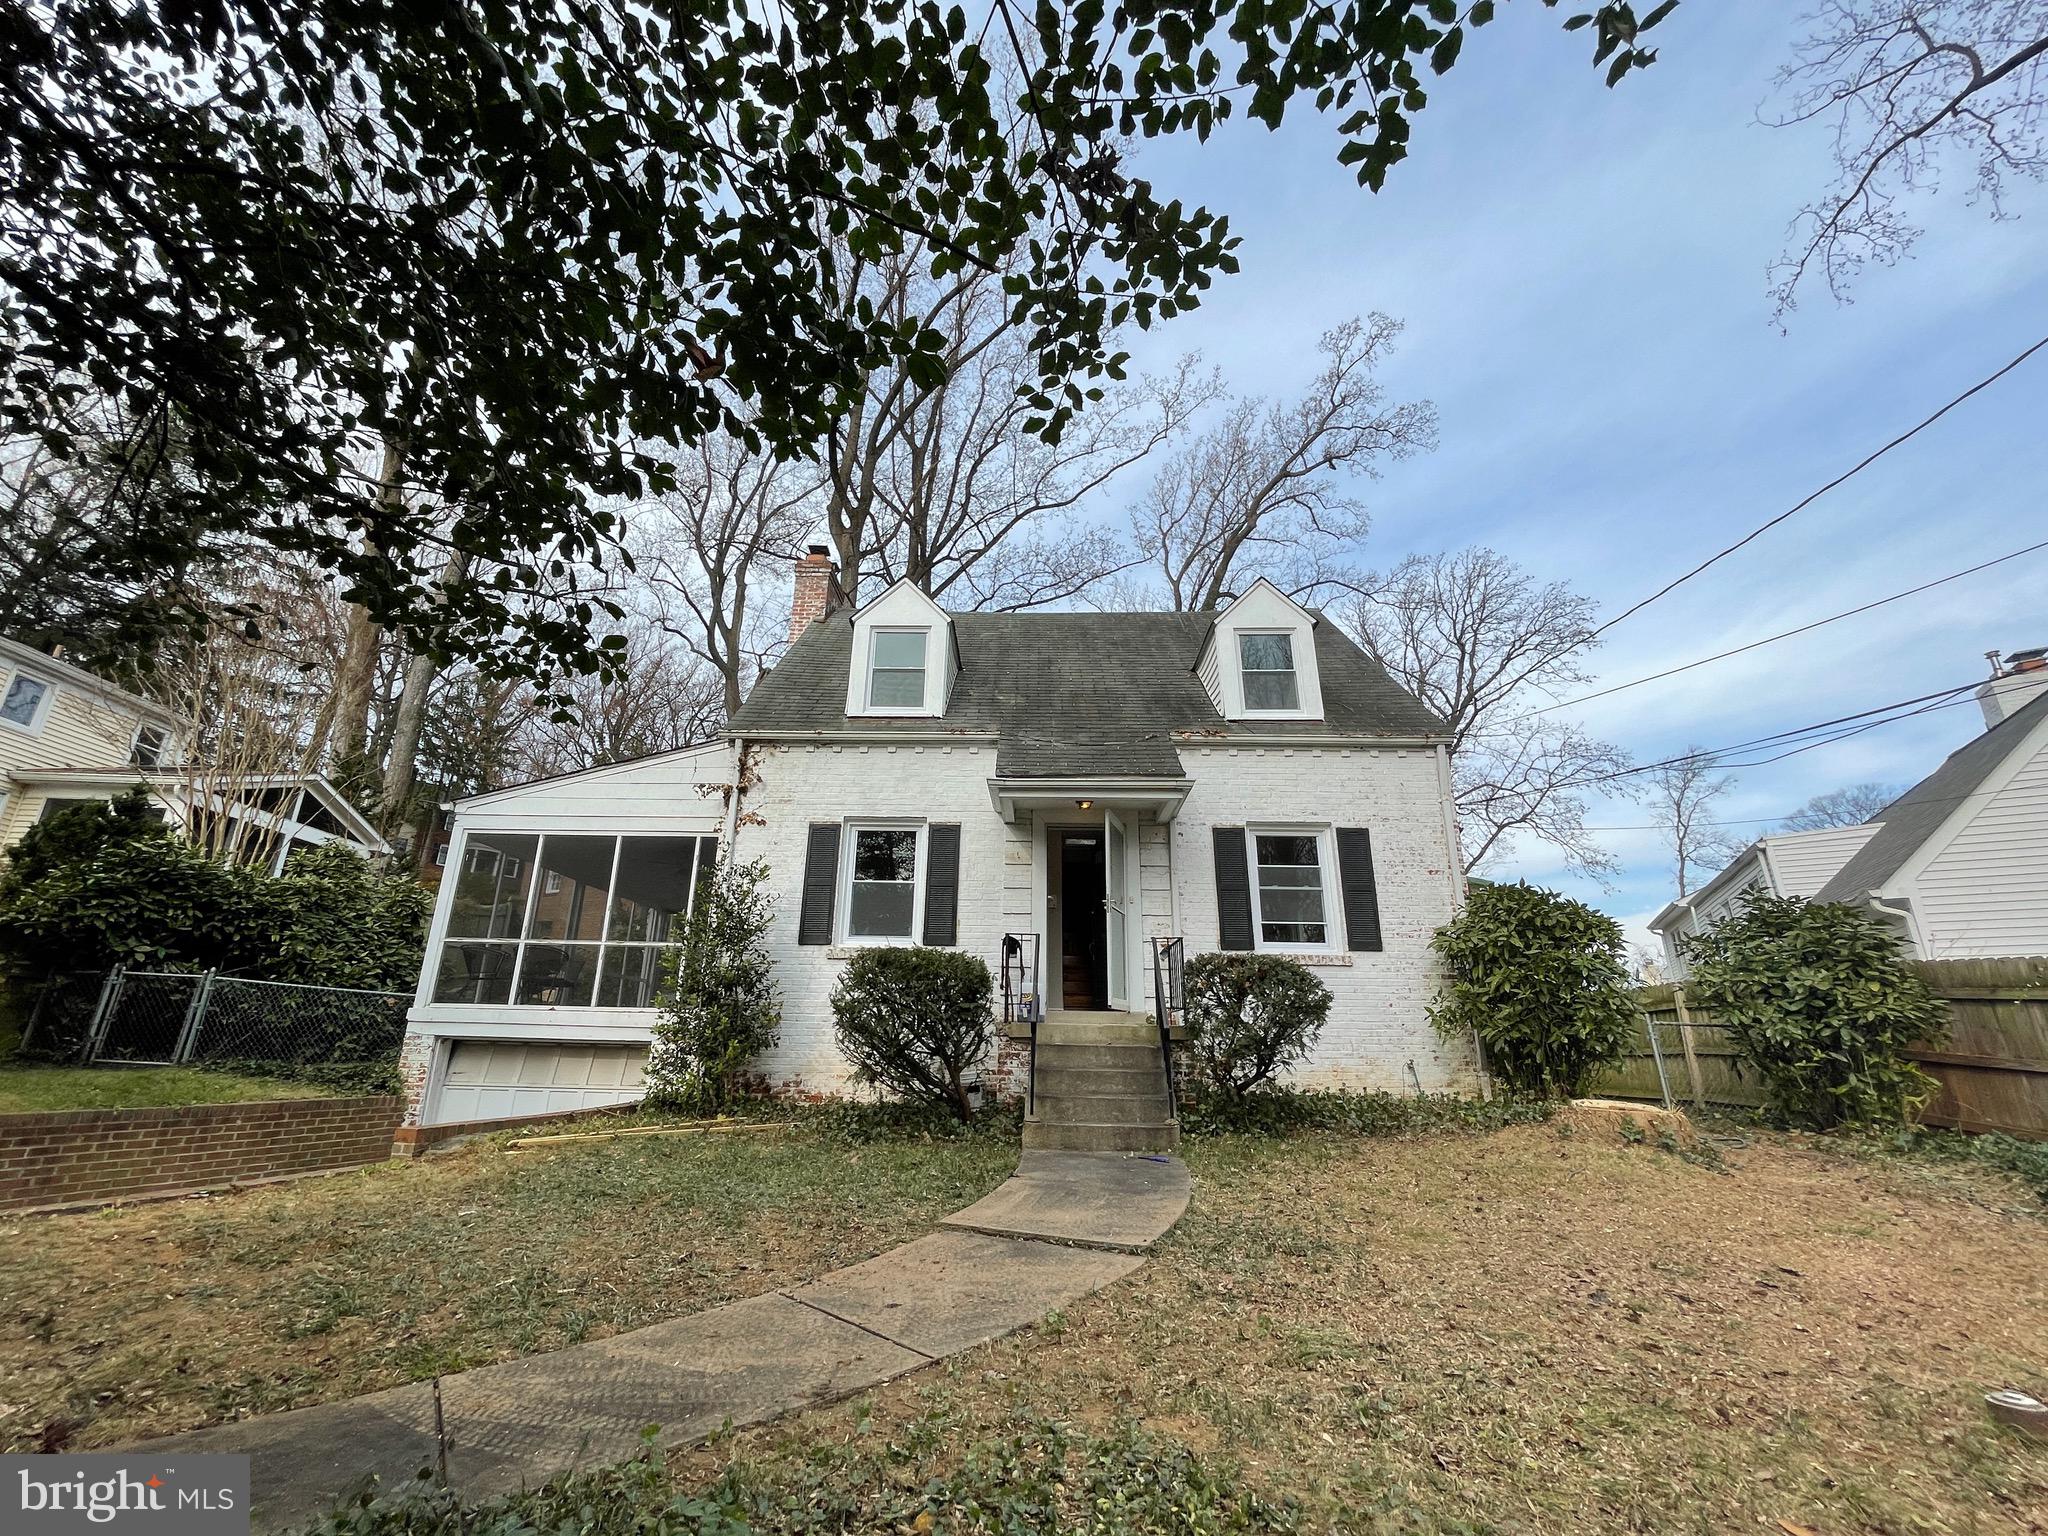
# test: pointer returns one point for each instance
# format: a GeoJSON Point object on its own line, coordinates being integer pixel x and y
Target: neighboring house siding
{"type": "Point", "coordinates": [1803, 862]}
{"type": "Point", "coordinates": [1985, 892]}
{"type": "Point", "coordinates": [795, 785]}
{"type": "Point", "coordinates": [77, 731]}
{"type": "Point", "coordinates": [1378, 1025]}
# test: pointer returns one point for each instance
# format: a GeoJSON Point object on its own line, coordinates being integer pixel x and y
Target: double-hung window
{"type": "Point", "coordinates": [1293, 903]}
{"type": "Point", "coordinates": [1267, 663]}
{"type": "Point", "coordinates": [150, 742]}
{"type": "Point", "coordinates": [884, 879]}
{"type": "Point", "coordinates": [896, 677]}
{"type": "Point", "coordinates": [22, 705]}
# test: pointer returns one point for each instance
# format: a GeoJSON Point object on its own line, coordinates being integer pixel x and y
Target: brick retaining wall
{"type": "Point", "coordinates": [87, 1156]}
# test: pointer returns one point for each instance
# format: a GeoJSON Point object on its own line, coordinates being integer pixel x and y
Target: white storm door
{"type": "Point", "coordinates": [1116, 908]}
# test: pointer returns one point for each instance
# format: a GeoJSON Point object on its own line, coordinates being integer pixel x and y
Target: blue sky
{"type": "Point", "coordinates": [1582, 274]}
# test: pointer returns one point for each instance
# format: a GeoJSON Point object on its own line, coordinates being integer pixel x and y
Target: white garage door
{"type": "Point", "coordinates": [491, 1080]}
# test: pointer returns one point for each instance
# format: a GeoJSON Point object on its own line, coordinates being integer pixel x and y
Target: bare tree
{"type": "Point", "coordinates": [936, 472]}
{"type": "Point", "coordinates": [1257, 495]}
{"type": "Point", "coordinates": [1912, 88]}
{"type": "Point", "coordinates": [1683, 793]}
{"type": "Point", "coordinates": [1479, 641]}
{"type": "Point", "coordinates": [703, 547]}
{"type": "Point", "coordinates": [1847, 807]}
{"type": "Point", "coordinates": [661, 697]}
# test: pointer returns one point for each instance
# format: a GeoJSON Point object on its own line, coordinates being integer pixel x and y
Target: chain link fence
{"type": "Point", "coordinates": [200, 1018]}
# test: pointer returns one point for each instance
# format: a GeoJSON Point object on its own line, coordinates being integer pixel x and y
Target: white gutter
{"type": "Point", "coordinates": [1233, 739]}
{"type": "Point", "coordinates": [873, 738]}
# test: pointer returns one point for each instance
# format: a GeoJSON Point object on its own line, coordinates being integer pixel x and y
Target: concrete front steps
{"type": "Point", "coordinates": [1101, 1086]}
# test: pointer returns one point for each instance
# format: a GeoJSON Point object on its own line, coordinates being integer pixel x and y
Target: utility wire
{"type": "Point", "coordinates": [1783, 738]}
{"type": "Point", "coordinates": [1808, 501]}
{"type": "Point", "coordinates": [1847, 613]}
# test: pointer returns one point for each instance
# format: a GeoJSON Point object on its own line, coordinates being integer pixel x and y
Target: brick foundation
{"type": "Point", "coordinates": [93, 1156]}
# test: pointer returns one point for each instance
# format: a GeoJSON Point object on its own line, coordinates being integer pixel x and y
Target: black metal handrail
{"type": "Point", "coordinates": [1168, 961]}
{"type": "Point", "coordinates": [1021, 1001]}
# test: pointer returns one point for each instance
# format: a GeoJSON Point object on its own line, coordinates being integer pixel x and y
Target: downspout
{"type": "Point", "coordinates": [1902, 909]}
{"type": "Point", "coordinates": [732, 801]}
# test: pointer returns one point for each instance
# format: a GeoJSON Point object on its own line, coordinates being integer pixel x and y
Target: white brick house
{"type": "Point", "coordinates": [1085, 783]}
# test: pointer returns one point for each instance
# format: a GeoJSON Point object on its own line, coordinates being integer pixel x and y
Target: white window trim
{"type": "Point", "coordinates": [44, 704]}
{"type": "Point", "coordinates": [163, 751]}
{"type": "Point", "coordinates": [1334, 941]}
{"type": "Point", "coordinates": [1294, 645]}
{"type": "Point", "coordinates": [843, 907]}
{"type": "Point", "coordinates": [923, 707]}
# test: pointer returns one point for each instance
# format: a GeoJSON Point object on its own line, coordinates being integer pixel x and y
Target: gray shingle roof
{"type": "Point", "coordinates": [1078, 694]}
{"type": "Point", "coordinates": [1920, 812]}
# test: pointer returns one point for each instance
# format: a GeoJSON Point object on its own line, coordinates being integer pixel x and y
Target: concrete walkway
{"type": "Point", "coordinates": [1066, 1224]}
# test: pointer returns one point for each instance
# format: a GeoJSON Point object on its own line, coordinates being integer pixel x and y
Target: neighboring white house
{"type": "Point", "coordinates": [1959, 863]}
{"type": "Point", "coordinates": [67, 737]}
{"type": "Point", "coordinates": [1244, 779]}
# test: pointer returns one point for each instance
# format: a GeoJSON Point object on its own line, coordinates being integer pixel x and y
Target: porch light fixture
{"type": "Point", "coordinates": [1086, 805]}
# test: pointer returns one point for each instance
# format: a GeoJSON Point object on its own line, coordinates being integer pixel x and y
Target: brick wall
{"type": "Point", "coordinates": [1378, 1025]}
{"type": "Point", "coordinates": [83, 1157]}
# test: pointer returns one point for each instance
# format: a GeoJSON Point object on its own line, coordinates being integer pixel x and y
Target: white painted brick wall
{"type": "Point", "coordinates": [796, 785]}
{"type": "Point", "coordinates": [1378, 1024]}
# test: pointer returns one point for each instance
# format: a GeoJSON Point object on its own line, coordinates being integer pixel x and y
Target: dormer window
{"type": "Point", "coordinates": [896, 669]}
{"type": "Point", "coordinates": [903, 663]}
{"type": "Point", "coordinates": [1269, 680]}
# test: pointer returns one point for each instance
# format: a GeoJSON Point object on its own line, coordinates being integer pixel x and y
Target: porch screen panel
{"type": "Point", "coordinates": [485, 919]}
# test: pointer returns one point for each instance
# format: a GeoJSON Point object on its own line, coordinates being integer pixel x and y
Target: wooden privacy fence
{"type": "Point", "coordinates": [1992, 1071]}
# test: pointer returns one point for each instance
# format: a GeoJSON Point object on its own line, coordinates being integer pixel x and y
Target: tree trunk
{"type": "Point", "coordinates": [358, 679]}
{"type": "Point", "coordinates": [401, 767]}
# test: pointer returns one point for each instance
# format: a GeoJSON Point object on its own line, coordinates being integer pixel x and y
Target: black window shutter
{"type": "Point", "coordinates": [1233, 890]}
{"type": "Point", "coordinates": [942, 883]}
{"type": "Point", "coordinates": [821, 880]}
{"type": "Point", "coordinates": [1361, 891]}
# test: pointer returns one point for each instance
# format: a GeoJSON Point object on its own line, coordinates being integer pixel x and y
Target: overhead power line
{"type": "Point", "coordinates": [1809, 500]}
{"type": "Point", "coordinates": [1883, 714]}
{"type": "Point", "coordinates": [1847, 613]}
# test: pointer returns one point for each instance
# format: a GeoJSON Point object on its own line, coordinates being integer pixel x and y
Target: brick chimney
{"type": "Point", "coordinates": [2015, 683]}
{"type": "Point", "coordinates": [815, 578]}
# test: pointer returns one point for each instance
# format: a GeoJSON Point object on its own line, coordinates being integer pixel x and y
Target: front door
{"type": "Point", "coordinates": [1116, 909]}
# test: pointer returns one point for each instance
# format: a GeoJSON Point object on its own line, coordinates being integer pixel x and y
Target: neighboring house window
{"type": "Point", "coordinates": [896, 669]}
{"type": "Point", "coordinates": [1292, 904]}
{"type": "Point", "coordinates": [440, 855]}
{"type": "Point", "coordinates": [883, 868]}
{"type": "Point", "coordinates": [57, 805]}
{"type": "Point", "coordinates": [1269, 680]}
{"type": "Point", "coordinates": [23, 704]}
{"type": "Point", "coordinates": [150, 741]}
{"type": "Point", "coordinates": [589, 933]}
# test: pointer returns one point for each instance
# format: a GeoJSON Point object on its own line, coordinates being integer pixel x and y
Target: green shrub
{"type": "Point", "coordinates": [1249, 1017]}
{"type": "Point", "coordinates": [720, 1008]}
{"type": "Point", "coordinates": [1819, 998]}
{"type": "Point", "coordinates": [916, 1021]}
{"type": "Point", "coordinates": [78, 832]}
{"type": "Point", "coordinates": [1541, 980]}
{"type": "Point", "coordinates": [146, 898]}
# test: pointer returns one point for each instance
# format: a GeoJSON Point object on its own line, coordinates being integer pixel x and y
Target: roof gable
{"type": "Point", "coordinates": [1947, 796]}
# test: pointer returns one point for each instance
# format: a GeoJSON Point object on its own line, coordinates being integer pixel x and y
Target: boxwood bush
{"type": "Point", "coordinates": [916, 1021]}
{"type": "Point", "coordinates": [1539, 978]}
{"type": "Point", "coordinates": [1820, 998]}
{"type": "Point", "coordinates": [1250, 1017]}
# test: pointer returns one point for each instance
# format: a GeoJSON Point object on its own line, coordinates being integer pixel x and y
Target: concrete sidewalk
{"type": "Point", "coordinates": [1067, 1224]}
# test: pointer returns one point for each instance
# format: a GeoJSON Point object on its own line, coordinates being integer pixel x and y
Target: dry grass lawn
{"type": "Point", "coordinates": [144, 1320]}
{"type": "Point", "coordinates": [1547, 1329]}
